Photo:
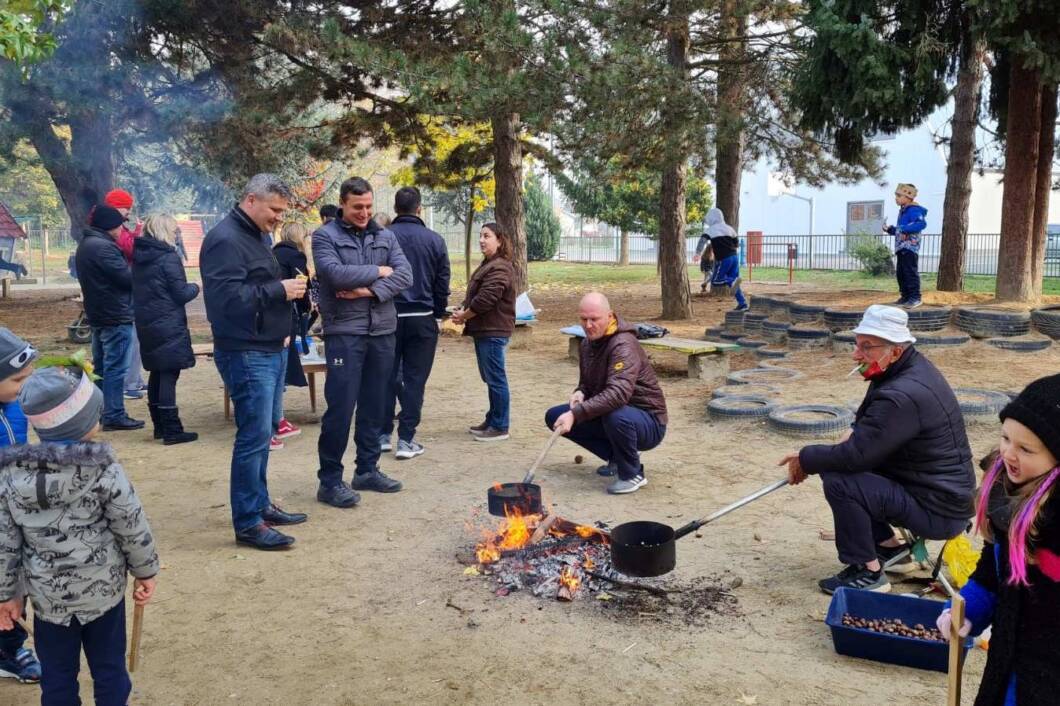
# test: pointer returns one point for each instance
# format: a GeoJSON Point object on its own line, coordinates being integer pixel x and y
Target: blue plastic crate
{"type": "Point", "coordinates": [883, 647]}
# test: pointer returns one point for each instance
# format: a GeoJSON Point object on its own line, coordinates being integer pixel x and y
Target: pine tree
{"type": "Point", "coordinates": [542, 225]}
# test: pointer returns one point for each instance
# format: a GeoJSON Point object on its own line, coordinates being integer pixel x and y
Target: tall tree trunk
{"type": "Point", "coordinates": [508, 176]}
{"type": "Point", "coordinates": [468, 227]}
{"type": "Point", "coordinates": [1043, 187]}
{"type": "Point", "coordinates": [1021, 174]}
{"type": "Point", "coordinates": [673, 268]}
{"type": "Point", "coordinates": [623, 247]}
{"type": "Point", "coordinates": [959, 168]}
{"type": "Point", "coordinates": [732, 96]}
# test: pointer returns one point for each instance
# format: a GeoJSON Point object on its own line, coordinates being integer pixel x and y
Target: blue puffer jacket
{"type": "Point", "coordinates": [912, 220]}
{"type": "Point", "coordinates": [349, 258]}
{"type": "Point", "coordinates": [909, 428]}
{"type": "Point", "coordinates": [13, 424]}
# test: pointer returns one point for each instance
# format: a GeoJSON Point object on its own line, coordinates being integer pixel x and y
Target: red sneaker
{"type": "Point", "coordinates": [286, 430]}
{"type": "Point", "coordinates": [275, 444]}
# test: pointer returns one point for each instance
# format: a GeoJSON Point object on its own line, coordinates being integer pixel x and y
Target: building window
{"type": "Point", "coordinates": [864, 217]}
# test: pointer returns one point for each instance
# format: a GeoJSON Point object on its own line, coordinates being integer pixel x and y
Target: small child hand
{"type": "Point", "coordinates": [945, 625]}
{"type": "Point", "coordinates": [10, 612]}
{"type": "Point", "coordinates": [143, 589]}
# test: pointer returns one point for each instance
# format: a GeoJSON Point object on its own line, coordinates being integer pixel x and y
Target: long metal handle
{"type": "Point", "coordinates": [541, 456]}
{"type": "Point", "coordinates": [696, 524]}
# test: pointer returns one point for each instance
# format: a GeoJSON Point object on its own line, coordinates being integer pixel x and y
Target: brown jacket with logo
{"type": "Point", "coordinates": [491, 295]}
{"type": "Point", "coordinates": [614, 371]}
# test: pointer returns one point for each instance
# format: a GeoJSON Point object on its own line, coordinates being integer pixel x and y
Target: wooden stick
{"type": "Point", "coordinates": [543, 528]}
{"type": "Point", "coordinates": [631, 584]}
{"type": "Point", "coordinates": [953, 695]}
{"type": "Point", "coordinates": [137, 629]}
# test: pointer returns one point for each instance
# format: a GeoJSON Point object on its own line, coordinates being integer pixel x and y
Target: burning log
{"type": "Point", "coordinates": [569, 580]}
{"type": "Point", "coordinates": [542, 528]}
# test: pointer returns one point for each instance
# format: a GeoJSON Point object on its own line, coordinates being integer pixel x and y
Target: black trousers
{"type": "Point", "coordinates": [908, 274]}
{"type": "Point", "coordinates": [415, 342]}
{"type": "Point", "coordinates": [59, 649]}
{"type": "Point", "coordinates": [162, 387]}
{"type": "Point", "coordinates": [866, 505]}
{"type": "Point", "coordinates": [358, 377]}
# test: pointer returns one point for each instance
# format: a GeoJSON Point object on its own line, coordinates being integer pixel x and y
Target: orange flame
{"type": "Point", "coordinates": [584, 532]}
{"type": "Point", "coordinates": [588, 564]}
{"type": "Point", "coordinates": [514, 533]}
{"type": "Point", "coordinates": [569, 579]}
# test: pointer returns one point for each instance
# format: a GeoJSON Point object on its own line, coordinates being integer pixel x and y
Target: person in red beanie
{"type": "Point", "coordinates": [122, 201]}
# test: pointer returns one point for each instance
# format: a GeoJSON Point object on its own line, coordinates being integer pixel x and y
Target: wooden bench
{"type": "Point", "coordinates": [707, 360]}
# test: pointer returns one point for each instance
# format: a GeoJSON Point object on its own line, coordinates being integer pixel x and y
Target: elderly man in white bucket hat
{"type": "Point", "coordinates": [905, 462]}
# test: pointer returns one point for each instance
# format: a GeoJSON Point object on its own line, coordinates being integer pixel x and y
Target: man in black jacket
{"type": "Point", "coordinates": [249, 308]}
{"type": "Point", "coordinates": [905, 461]}
{"type": "Point", "coordinates": [106, 286]}
{"type": "Point", "coordinates": [417, 331]}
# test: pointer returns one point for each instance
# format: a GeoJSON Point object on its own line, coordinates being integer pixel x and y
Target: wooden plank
{"type": "Point", "coordinates": [688, 346]}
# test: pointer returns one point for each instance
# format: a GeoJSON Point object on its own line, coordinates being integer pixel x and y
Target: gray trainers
{"type": "Point", "coordinates": [340, 495]}
{"type": "Point", "coordinates": [384, 443]}
{"type": "Point", "coordinates": [622, 487]}
{"type": "Point", "coordinates": [408, 449]}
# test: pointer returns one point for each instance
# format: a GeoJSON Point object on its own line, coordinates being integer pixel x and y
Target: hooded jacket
{"type": "Point", "coordinates": [346, 258]}
{"type": "Point", "coordinates": [614, 371]}
{"type": "Point", "coordinates": [71, 526]}
{"type": "Point", "coordinates": [160, 291]}
{"type": "Point", "coordinates": [13, 424]}
{"type": "Point", "coordinates": [909, 428]}
{"type": "Point", "coordinates": [105, 279]}
{"type": "Point", "coordinates": [912, 220]}
{"type": "Point", "coordinates": [722, 237]}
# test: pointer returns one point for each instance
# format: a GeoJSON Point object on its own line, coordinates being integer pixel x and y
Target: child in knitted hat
{"type": "Point", "coordinates": [16, 364]}
{"type": "Point", "coordinates": [912, 219]}
{"type": "Point", "coordinates": [71, 528]}
{"type": "Point", "coordinates": [1016, 584]}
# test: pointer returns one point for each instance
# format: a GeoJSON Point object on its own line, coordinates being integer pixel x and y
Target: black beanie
{"type": "Point", "coordinates": [106, 218]}
{"type": "Point", "coordinates": [1038, 409]}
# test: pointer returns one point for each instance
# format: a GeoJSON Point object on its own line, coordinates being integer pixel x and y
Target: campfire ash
{"type": "Point", "coordinates": [554, 558]}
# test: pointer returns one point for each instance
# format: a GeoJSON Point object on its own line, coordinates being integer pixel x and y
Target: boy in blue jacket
{"type": "Point", "coordinates": [16, 364]}
{"type": "Point", "coordinates": [912, 219]}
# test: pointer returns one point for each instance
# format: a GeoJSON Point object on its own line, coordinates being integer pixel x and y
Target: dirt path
{"type": "Point", "coordinates": [357, 613]}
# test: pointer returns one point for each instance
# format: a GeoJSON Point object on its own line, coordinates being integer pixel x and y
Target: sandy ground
{"type": "Point", "coordinates": [356, 613]}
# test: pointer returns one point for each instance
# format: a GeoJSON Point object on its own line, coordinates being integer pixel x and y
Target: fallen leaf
{"type": "Point", "coordinates": [239, 557]}
{"type": "Point", "coordinates": [472, 571]}
{"type": "Point", "coordinates": [603, 596]}
{"type": "Point", "coordinates": [758, 537]}
{"type": "Point", "coordinates": [748, 699]}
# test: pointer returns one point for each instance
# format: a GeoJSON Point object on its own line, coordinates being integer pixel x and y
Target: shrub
{"type": "Point", "coordinates": [874, 256]}
{"type": "Point", "coordinates": [542, 225]}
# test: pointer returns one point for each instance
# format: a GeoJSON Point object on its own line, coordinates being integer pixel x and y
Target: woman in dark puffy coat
{"type": "Point", "coordinates": [290, 253]}
{"type": "Point", "coordinates": [160, 291]}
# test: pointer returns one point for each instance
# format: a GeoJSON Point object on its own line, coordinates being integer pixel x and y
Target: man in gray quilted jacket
{"type": "Point", "coordinates": [71, 528]}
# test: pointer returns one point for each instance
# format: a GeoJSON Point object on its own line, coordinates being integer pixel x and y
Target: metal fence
{"type": "Point", "coordinates": [810, 252]}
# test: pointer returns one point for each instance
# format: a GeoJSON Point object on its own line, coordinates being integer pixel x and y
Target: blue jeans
{"type": "Point", "coordinates": [617, 436]}
{"type": "Point", "coordinates": [358, 378]}
{"type": "Point", "coordinates": [59, 651]}
{"type": "Point", "coordinates": [726, 272]}
{"type": "Point", "coordinates": [490, 354]}
{"type": "Point", "coordinates": [277, 404]}
{"type": "Point", "coordinates": [254, 380]}
{"type": "Point", "coordinates": [133, 377]}
{"type": "Point", "coordinates": [111, 347]}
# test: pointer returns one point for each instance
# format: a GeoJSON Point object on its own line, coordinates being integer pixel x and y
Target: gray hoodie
{"type": "Point", "coordinates": [71, 526]}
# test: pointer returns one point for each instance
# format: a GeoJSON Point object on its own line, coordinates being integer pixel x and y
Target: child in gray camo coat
{"type": "Point", "coordinates": [71, 529]}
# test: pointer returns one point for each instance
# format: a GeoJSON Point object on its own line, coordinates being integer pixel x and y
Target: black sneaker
{"type": "Point", "coordinates": [275, 516]}
{"type": "Point", "coordinates": [341, 496]}
{"type": "Point", "coordinates": [264, 537]}
{"type": "Point", "coordinates": [900, 301]}
{"type": "Point", "coordinates": [856, 576]}
{"type": "Point", "coordinates": [607, 470]}
{"type": "Point", "coordinates": [126, 424]}
{"type": "Point", "coordinates": [478, 428]}
{"type": "Point", "coordinates": [897, 560]}
{"type": "Point", "coordinates": [376, 480]}
{"type": "Point", "coordinates": [490, 434]}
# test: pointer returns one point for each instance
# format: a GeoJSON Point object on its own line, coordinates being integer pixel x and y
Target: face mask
{"type": "Point", "coordinates": [871, 371]}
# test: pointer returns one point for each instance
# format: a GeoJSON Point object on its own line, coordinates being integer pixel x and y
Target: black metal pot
{"type": "Point", "coordinates": [514, 498]}
{"type": "Point", "coordinates": [646, 548]}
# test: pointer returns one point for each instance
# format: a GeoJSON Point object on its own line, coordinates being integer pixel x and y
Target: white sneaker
{"type": "Point", "coordinates": [408, 449]}
{"type": "Point", "coordinates": [384, 443]}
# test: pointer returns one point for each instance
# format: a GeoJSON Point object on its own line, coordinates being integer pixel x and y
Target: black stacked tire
{"type": "Point", "coordinates": [990, 322]}
{"type": "Point", "coordinates": [752, 321]}
{"type": "Point", "coordinates": [805, 338]}
{"type": "Point", "coordinates": [748, 342]}
{"type": "Point", "coordinates": [1047, 320]}
{"type": "Point", "coordinates": [779, 308]}
{"type": "Point", "coordinates": [977, 402]}
{"type": "Point", "coordinates": [842, 318]}
{"type": "Point", "coordinates": [942, 339]}
{"type": "Point", "coordinates": [761, 303]}
{"type": "Point", "coordinates": [740, 406]}
{"type": "Point", "coordinates": [763, 375]}
{"type": "Point", "coordinates": [805, 313]}
{"type": "Point", "coordinates": [731, 335]}
{"type": "Point", "coordinates": [713, 333]}
{"type": "Point", "coordinates": [734, 321]}
{"type": "Point", "coordinates": [775, 331]}
{"type": "Point", "coordinates": [929, 318]}
{"type": "Point", "coordinates": [811, 419]}
{"type": "Point", "coordinates": [844, 341]}
{"type": "Point", "coordinates": [772, 352]}
{"type": "Point", "coordinates": [1023, 344]}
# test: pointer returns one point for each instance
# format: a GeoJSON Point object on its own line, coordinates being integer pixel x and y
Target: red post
{"type": "Point", "coordinates": [791, 262]}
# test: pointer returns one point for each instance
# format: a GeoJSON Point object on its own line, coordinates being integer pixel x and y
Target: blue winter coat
{"type": "Point", "coordinates": [160, 291]}
{"type": "Point", "coordinates": [912, 220]}
{"type": "Point", "coordinates": [13, 424]}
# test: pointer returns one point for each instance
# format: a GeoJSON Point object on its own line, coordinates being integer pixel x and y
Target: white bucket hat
{"type": "Point", "coordinates": [887, 322]}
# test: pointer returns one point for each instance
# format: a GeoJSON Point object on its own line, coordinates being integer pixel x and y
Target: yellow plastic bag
{"type": "Point", "coordinates": [960, 558]}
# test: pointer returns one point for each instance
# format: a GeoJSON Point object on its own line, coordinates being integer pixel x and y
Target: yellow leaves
{"type": "Point", "coordinates": [446, 162]}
